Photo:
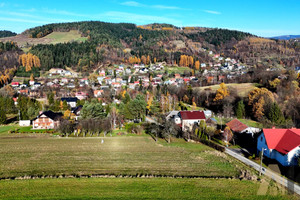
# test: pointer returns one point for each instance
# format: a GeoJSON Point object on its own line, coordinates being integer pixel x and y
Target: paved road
{"type": "Point", "coordinates": [149, 119]}
{"type": "Point", "coordinates": [292, 186]}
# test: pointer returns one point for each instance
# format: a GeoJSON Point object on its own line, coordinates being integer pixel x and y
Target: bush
{"type": "Point", "coordinates": [133, 128]}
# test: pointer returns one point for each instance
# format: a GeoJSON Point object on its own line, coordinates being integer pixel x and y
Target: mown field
{"type": "Point", "coordinates": [62, 37]}
{"type": "Point", "coordinates": [242, 89]}
{"type": "Point", "coordinates": [139, 188]}
{"type": "Point", "coordinates": [41, 155]}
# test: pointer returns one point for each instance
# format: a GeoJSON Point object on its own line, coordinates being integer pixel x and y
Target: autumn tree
{"type": "Point", "coordinates": [28, 61]}
{"type": "Point", "coordinates": [222, 92]}
{"type": "Point", "coordinates": [197, 65]}
{"type": "Point", "coordinates": [227, 135]}
{"type": "Point", "coordinates": [144, 60]}
{"type": "Point", "coordinates": [259, 98]}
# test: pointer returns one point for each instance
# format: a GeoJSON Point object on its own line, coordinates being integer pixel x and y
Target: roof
{"type": "Point", "coordinates": [191, 115]}
{"type": "Point", "coordinates": [282, 140]}
{"type": "Point", "coordinates": [52, 115]}
{"type": "Point", "coordinates": [69, 99]}
{"type": "Point", "coordinates": [236, 125]}
{"type": "Point", "coordinates": [77, 109]}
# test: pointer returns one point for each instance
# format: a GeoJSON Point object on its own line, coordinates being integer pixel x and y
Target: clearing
{"type": "Point", "coordinates": [25, 42]}
{"type": "Point", "coordinates": [242, 89]}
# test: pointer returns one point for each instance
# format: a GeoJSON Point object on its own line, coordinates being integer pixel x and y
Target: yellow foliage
{"type": "Point", "coordinates": [274, 83]}
{"type": "Point", "coordinates": [222, 92]}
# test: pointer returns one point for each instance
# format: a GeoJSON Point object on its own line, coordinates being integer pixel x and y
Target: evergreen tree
{"type": "Point", "coordinates": [2, 116]}
{"type": "Point", "coordinates": [240, 109]}
{"type": "Point", "coordinates": [275, 115]}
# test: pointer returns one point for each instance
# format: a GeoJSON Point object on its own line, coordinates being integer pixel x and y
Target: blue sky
{"type": "Point", "coordinates": [260, 17]}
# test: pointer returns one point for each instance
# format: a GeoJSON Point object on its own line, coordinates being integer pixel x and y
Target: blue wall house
{"type": "Point", "coordinates": [282, 145]}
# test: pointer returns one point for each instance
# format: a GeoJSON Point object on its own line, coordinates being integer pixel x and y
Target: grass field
{"type": "Point", "coordinates": [242, 89]}
{"type": "Point", "coordinates": [44, 155]}
{"type": "Point", "coordinates": [62, 37]}
{"type": "Point", "coordinates": [139, 188]}
{"type": "Point", "coordinates": [177, 70]}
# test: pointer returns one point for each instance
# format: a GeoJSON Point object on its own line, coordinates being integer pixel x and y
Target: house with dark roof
{"type": "Point", "coordinates": [47, 120]}
{"type": "Point", "coordinates": [71, 101]}
{"type": "Point", "coordinates": [190, 118]}
{"type": "Point", "coordinates": [282, 145]}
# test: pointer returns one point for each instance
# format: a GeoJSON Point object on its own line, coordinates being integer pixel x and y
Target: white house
{"type": "Point", "coordinates": [190, 118]}
{"type": "Point", "coordinates": [282, 145]}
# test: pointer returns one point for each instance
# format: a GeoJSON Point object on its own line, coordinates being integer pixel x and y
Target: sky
{"type": "Point", "coordinates": [264, 18]}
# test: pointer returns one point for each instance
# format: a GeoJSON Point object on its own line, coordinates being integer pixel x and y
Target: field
{"type": "Point", "coordinates": [147, 168]}
{"type": "Point", "coordinates": [62, 37]}
{"type": "Point", "coordinates": [41, 155]}
{"type": "Point", "coordinates": [138, 188]}
{"type": "Point", "coordinates": [52, 38]}
{"type": "Point", "coordinates": [242, 88]}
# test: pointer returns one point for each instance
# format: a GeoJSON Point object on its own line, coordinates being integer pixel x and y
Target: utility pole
{"type": "Point", "coordinates": [261, 158]}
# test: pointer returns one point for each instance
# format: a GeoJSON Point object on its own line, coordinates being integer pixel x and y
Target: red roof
{"type": "Point", "coordinates": [192, 115]}
{"type": "Point", "coordinates": [282, 140]}
{"type": "Point", "coordinates": [236, 125]}
{"type": "Point", "coordinates": [14, 83]}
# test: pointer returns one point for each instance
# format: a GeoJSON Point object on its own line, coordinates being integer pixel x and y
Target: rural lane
{"type": "Point", "coordinates": [292, 186]}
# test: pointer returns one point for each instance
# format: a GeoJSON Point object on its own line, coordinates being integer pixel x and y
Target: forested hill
{"type": "Point", "coordinates": [106, 43]}
{"type": "Point", "coordinates": [5, 33]}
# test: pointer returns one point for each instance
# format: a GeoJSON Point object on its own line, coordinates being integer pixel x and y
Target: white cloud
{"type": "Point", "coordinates": [62, 12]}
{"type": "Point", "coordinates": [212, 12]}
{"type": "Point", "coordinates": [133, 4]}
{"type": "Point", "coordinates": [166, 7]}
{"type": "Point", "coordinates": [161, 7]}
{"type": "Point", "coordinates": [24, 20]}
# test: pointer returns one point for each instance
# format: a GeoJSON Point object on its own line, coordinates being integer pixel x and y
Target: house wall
{"type": "Point", "coordinates": [187, 125]}
{"type": "Point", "coordinates": [261, 143]}
{"type": "Point", "coordinates": [44, 123]}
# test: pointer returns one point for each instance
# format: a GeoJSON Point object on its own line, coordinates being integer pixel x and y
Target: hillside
{"type": "Point", "coordinates": [5, 33]}
{"type": "Point", "coordinates": [286, 37]}
{"type": "Point", "coordinates": [83, 45]}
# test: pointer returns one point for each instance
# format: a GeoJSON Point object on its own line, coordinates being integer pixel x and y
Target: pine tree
{"type": "Point", "coordinates": [275, 115]}
{"type": "Point", "coordinates": [2, 116]}
{"type": "Point", "coordinates": [240, 109]}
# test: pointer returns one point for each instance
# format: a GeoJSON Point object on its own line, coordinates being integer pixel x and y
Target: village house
{"type": "Point", "coordinates": [187, 119]}
{"type": "Point", "coordinates": [71, 101]}
{"type": "Point", "coordinates": [238, 127]}
{"type": "Point", "coordinates": [47, 120]}
{"type": "Point", "coordinates": [283, 145]}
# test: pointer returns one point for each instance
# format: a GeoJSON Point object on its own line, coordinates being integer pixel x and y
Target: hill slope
{"type": "Point", "coordinates": [286, 37]}
{"type": "Point", "coordinates": [116, 43]}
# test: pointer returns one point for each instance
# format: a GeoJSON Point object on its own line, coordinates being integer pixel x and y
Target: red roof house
{"type": "Point", "coordinates": [280, 144]}
{"type": "Point", "coordinates": [236, 126]}
{"type": "Point", "coordinates": [190, 118]}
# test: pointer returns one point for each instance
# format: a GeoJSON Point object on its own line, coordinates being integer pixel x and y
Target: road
{"type": "Point", "coordinates": [291, 185]}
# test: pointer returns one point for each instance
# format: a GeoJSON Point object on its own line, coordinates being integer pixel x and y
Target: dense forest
{"type": "Point", "coordinates": [9, 55]}
{"type": "Point", "coordinates": [5, 33]}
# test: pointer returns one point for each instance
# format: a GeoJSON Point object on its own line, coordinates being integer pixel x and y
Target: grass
{"type": "Point", "coordinates": [177, 70]}
{"type": "Point", "coordinates": [45, 155]}
{"type": "Point", "coordinates": [63, 37]}
{"type": "Point", "coordinates": [137, 188]}
{"type": "Point", "coordinates": [248, 122]}
{"type": "Point", "coordinates": [242, 89]}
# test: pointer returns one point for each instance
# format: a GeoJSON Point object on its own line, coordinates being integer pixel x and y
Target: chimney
{"type": "Point", "coordinates": [273, 127]}
{"type": "Point", "coordinates": [41, 112]}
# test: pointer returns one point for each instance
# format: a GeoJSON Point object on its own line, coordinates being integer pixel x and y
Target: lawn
{"type": "Point", "coordinates": [138, 188]}
{"type": "Point", "coordinates": [43, 155]}
{"type": "Point", "coordinates": [177, 70]}
{"type": "Point", "coordinates": [62, 37]}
